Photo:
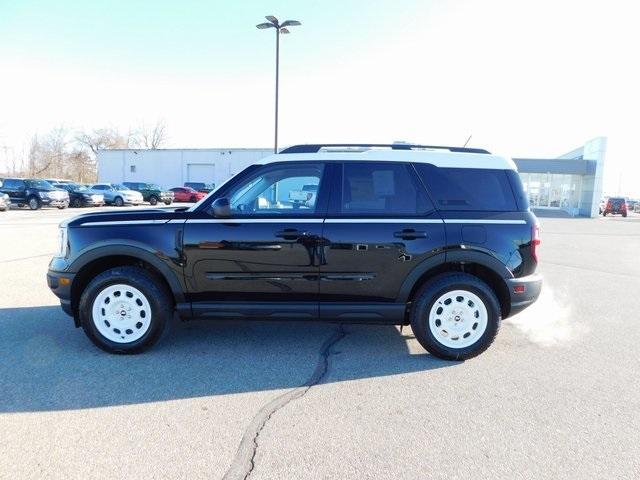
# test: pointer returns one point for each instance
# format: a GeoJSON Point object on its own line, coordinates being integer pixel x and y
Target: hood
{"type": "Point", "coordinates": [147, 215]}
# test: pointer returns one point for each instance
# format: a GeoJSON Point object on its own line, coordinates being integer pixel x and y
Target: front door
{"type": "Point", "coordinates": [267, 251]}
{"type": "Point", "coordinates": [380, 226]}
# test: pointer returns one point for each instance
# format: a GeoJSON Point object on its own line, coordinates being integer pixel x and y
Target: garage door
{"type": "Point", "coordinates": [201, 172]}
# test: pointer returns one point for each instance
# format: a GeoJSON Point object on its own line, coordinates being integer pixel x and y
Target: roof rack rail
{"type": "Point", "coordinates": [316, 147]}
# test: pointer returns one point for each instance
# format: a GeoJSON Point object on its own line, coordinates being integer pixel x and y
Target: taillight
{"type": "Point", "coordinates": [609, 205]}
{"type": "Point", "coordinates": [623, 206]}
{"type": "Point", "coordinates": [535, 241]}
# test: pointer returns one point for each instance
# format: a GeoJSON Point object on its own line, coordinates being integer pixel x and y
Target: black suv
{"type": "Point", "coordinates": [80, 196]}
{"type": "Point", "coordinates": [440, 238]}
{"type": "Point", "coordinates": [200, 186]}
{"type": "Point", "coordinates": [34, 193]}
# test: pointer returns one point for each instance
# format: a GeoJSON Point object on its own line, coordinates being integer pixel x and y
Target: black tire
{"type": "Point", "coordinates": [193, 199]}
{"type": "Point", "coordinates": [604, 214]}
{"type": "Point", "coordinates": [167, 202]}
{"type": "Point", "coordinates": [34, 202]}
{"type": "Point", "coordinates": [431, 292]}
{"type": "Point", "coordinates": [76, 203]}
{"type": "Point", "coordinates": [62, 207]}
{"type": "Point", "coordinates": [153, 200]}
{"type": "Point", "coordinates": [624, 214]}
{"type": "Point", "coordinates": [118, 202]}
{"type": "Point", "coordinates": [156, 294]}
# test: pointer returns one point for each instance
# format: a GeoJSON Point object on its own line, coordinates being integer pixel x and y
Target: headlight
{"type": "Point", "coordinates": [6, 197]}
{"type": "Point", "coordinates": [62, 243]}
{"type": "Point", "coordinates": [86, 195]}
{"type": "Point", "coordinates": [43, 194]}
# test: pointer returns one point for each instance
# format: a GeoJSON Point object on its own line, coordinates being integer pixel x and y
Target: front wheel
{"type": "Point", "coordinates": [34, 203]}
{"type": "Point", "coordinates": [455, 316]}
{"type": "Point", "coordinates": [76, 203]}
{"type": "Point", "coordinates": [153, 200]}
{"type": "Point", "coordinates": [125, 310]}
{"type": "Point", "coordinates": [167, 202]}
{"type": "Point", "coordinates": [118, 202]}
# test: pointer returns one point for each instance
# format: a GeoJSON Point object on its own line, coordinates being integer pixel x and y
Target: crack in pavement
{"type": "Point", "coordinates": [244, 462]}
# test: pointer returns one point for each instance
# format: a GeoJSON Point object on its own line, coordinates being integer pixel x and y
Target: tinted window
{"type": "Point", "coordinates": [378, 188]}
{"type": "Point", "coordinates": [277, 189]}
{"type": "Point", "coordinates": [468, 188]}
{"type": "Point", "coordinates": [38, 184]}
{"type": "Point", "coordinates": [10, 183]}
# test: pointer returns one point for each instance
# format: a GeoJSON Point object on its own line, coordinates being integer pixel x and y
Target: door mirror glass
{"type": "Point", "coordinates": [220, 208]}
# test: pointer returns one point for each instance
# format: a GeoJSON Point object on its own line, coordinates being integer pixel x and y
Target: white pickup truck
{"type": "Point", "coordinates": [306, 196]}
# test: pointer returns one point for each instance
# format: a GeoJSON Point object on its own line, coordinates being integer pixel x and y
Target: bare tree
{"type": "Point", "coordinates": [154, 137]}
{"type": "Point", "coordinates": [105, 139]}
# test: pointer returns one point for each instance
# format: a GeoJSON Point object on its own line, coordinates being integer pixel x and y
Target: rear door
{"type": "Point", "coordinates": [380, 225]}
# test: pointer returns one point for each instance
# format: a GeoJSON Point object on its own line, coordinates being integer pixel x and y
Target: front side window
{"type": "Point", "coordinates": [278, 189]}
{"type": "Point", "coordinates": [382, 189]}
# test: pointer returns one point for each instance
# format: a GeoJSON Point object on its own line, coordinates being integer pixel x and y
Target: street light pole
{"type": "Point", "coordinates": [275, 145]}
{"type": "Point", "coordinates": [281, 28]}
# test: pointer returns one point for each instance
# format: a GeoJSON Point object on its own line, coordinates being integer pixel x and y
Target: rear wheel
{"type": "Point", "coordinates": [118, 202]}
{"type": "Point", "coordinates": [153, 200]}
{"type": "Point", "coordinates": [125, 310]}
{"type": "Point", "coordinates": [76, 203]}
{"type": "Point", "coordinates": [167, 202]}
{"type": "Point", "coordinates": [34, 203]}
{"type": "Point", "coordinates": [455, 316]}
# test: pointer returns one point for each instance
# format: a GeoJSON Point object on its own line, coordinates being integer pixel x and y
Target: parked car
{"type": "Point", "coordinates": [187, 194]}
{"type": "Point", "coordinates": [151, 192]}
{"type": "Point", "coordinates": [615, 206]}
{"type": "Point", "coordinates": [81, 196]}
{"type": "Point", "coordinates": [34, 193]}
{"type": "Point", "coordinates": [5, 202]}
{"type": "Point", "coordinates": [443, 241]}
{"type": "Point", "coordinates": [200, 186]}
{"type": "Point", "coordinates": [58, 180]}
{"type": "Point", "coordinates": [116, 194]}
{"type": "Point", "coordinates": [631, 204]}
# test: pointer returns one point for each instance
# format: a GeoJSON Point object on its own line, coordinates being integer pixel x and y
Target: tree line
{"type": "Point", "coordinates": [68, 154]}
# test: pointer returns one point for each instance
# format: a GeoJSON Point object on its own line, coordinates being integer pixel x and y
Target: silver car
{"type": "Point", "coordinates": [115, 194]}
{"type": "Point", "coordinates": [5, 202]}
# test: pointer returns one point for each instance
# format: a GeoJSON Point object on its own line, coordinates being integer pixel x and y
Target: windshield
{"type": "Point", "coordinates": [153, 186]}
{"type": "Point", "coordinates": [118, 186]}
{"type": "Point", "coordinates": [39, 184]}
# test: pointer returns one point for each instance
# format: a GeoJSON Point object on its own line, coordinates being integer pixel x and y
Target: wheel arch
{"type": "Point", "coordinates": [482, 265]}
{"type": "Point", "coordinates": [96, 261]}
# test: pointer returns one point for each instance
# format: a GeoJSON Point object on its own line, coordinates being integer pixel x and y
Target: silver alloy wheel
{"type": "Point", "coordinates": [121, 313]}
{"type": "Point", "coordinates": [33, 203]}
{"type": "Point", "coordinates": [458, 319]}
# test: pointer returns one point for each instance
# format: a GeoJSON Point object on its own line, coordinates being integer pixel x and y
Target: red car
{"type": "Point", "coordinates": [186, 194]}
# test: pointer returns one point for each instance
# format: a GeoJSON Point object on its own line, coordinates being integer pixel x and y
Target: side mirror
{"type": "Point", "coordinates": [220, 208]}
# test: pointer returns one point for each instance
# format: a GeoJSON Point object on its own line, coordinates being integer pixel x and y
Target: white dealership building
{"type": "Point", "coordinates": [570, 184]}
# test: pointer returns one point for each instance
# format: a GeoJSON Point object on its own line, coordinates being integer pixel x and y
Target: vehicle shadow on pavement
{"type": "Point", "coordinates": [48, 365]}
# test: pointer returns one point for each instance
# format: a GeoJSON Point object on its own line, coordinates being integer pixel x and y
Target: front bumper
{"type": "Point", "coordinates": [54, 203]}
{"type": "Point", "coordinates": [523, 291]}
{"type": "Point", "coordinates": [90, 203]}
{"type": "Point", "coordinates": [60, 285]}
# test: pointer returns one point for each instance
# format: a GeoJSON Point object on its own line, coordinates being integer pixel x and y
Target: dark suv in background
{"type": "Point", "coordinates": [439, 238]}
{"type": "Point", "coordinates": [80, 195]}
{"type": "Point", "coordinates": [151, 192]}
{"type": "Point", "coordinates": [615, 206]}
{"type": "Point", "coordinates": [34, 193]}
{"type": "Point", "coordinates": [200, 186]}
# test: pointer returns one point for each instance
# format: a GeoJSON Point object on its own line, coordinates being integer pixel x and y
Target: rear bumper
{"type": "Point", "coordinates": [60, 285]}
{"type": "Point", "coordinates": [523, 292]}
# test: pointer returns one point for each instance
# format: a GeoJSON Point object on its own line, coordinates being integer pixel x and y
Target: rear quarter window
{"type": "Point", "coordinates": [468, 189]}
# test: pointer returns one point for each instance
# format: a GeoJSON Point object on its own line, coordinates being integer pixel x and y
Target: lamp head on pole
{"type": "Point", "coordinates": [274, 23]}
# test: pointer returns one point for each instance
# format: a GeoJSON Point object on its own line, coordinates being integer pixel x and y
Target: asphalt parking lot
{"type": "Point", "coordinates": [557, 396]}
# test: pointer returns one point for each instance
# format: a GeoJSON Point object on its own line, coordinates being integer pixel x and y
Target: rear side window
{"type": "Point", "coordinates": [468, 189]}
{"type": "Point", "coordinates": [382, 189]}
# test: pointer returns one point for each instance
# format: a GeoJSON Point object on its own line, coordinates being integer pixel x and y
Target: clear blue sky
{"type": "Point", "coordinates": [524, 78]}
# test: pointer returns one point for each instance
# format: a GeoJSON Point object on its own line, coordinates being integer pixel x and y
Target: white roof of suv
{"type": "Point", "coordinates": [440, 157]}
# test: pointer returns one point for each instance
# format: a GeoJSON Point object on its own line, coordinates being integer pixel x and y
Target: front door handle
{"type": "Point", "coordinates": [409, 234]}
{"type": "Point", "coordinates": [291, 234]}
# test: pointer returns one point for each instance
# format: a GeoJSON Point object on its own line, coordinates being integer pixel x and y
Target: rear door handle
{"type": "Point", "coordinates": [409, 234]}
{"type": "Point", "coordinates": [291, 234]}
